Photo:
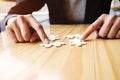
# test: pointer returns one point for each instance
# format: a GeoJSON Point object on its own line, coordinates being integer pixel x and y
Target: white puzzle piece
{"type": "Point", "coordinates": [53, 37]}
{"type": "Point", "coordinates": [46, 45]}
{"type": "Point", "coordinates": [76, 42]}
{"type": "Point", "coordinates": [77, 36]}
{"type": "Point", "coordinates": [58, 43]}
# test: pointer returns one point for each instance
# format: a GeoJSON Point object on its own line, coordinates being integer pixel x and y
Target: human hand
{"type": "Point", "coordinates": [106, 26]}
{"type": "Point", "coordinates": [24, 28]}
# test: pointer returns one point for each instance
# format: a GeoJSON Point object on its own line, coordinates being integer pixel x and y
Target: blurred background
{"type": "Point", "coordinates": [5, 5]}
{"type": "Point", "coordinates": [42, 15]}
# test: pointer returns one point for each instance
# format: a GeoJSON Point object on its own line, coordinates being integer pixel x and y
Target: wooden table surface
{"type": "Point", "coordinates": [98, 60]}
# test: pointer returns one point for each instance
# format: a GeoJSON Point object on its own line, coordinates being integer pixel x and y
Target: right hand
{"type": "Point", "coordinates": [24, 28]}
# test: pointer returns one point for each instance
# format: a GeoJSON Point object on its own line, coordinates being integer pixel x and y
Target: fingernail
{"type": "Point", "coordinates": [46, 41]}
{"type": "Point", "coordinates": [81, 37]}
{"type": "Point", "coordinates": [32, 39]}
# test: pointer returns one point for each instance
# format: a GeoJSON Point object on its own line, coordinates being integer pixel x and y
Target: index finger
{"type": "Point", "coordinates": [94, 26]}
{"type": "Point", "coordinates": [39, 29]}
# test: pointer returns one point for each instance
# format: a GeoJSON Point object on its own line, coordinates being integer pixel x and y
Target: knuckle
{"type": "Point", "coordinates": [16, 41]}
{"type": "Point", "coordinates": [117, 36]}
{"type": "Point", "coordinates": [102, 35]}
{"type": "Point", "coordinates": [93, 26]}
{"type": "Point", "coordinates": [14, 21]}
{"type": "Point", "coordinates": [110, 37]}
{"type": "Point", "coordinates": [115, 28]}
{"type": "Point", "coordinates": [38, 27]}
{"type": "Point", "coordinates": [20, 17]}
{"type": "Point", "coordinates": [29, 15]}
{"type": "Point", "coordinates": [21, 41]}
{"type": "Point", "coordinates": [118, 20]}
{"type": "Point", "coordinates": [103, 15]}
{"type": "Point", "coordinates": [26, 36]}
{"type": "Point", "coordinates": [112, 17]}
{"type": "Point", "coordinates": [11, 21]}
{"type": "Point", "coordinates": [8, 27]}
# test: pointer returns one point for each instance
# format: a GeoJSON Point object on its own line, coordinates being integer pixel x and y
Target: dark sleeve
{"type": "Point", "coordinates": [23, 7]}
{"type": "Point", "coordinates": [26, 6]}
{"type": "Point", "coordinates": [96, 8]}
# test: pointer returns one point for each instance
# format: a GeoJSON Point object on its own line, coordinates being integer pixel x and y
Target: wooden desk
{"type": "Point", "coordinates": [98, 60]}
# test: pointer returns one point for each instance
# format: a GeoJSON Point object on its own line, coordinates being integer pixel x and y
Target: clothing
{"type": "Point", "coordinates": [58, 10]}
{"type": "Point", "coordinates": [75, 10]}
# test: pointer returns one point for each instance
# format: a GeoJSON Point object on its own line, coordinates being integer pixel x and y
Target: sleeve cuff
{"type": "Point", "coordinates": [8, 17]}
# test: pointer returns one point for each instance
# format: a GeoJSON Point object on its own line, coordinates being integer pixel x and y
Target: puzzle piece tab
{"type": "Point", "coordinates": [76, 42]}
{"type": "Point", "coordinates": [77, 36]}
{"type": "Point", "coordinates": [53, 37]}
{"type": "Point", "coordinates": [57, 44]}
{"type": "Point", "coordinates": [46, 45]}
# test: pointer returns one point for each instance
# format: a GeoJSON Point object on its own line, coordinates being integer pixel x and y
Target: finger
{"type": "Point", "coordinates": [39, 29]}
{"type": "Point", "coordinates": [96, 34]}
{"type": "Point", "coordinates": [118, 35]}
{"type": "Point", "coordinates": [105, 29]}
{"type": "Point", "coordinates": [115, 28]}
{"type": "Point", "coordinates": [11, 33]}
{"type": "Point", "coordinates": [24, 27]}
{"type": "Point", "coordinates": [92, 28]}
{"type": "Point", "coordinates": [17, 31]}
{"type": "Point", "coordinates": [34, 37]}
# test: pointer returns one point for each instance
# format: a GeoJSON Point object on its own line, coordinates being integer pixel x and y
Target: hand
{"type": "Point", "coordinates": [24, 28]}
{"type": "Point", "coordinates": [106, 26]}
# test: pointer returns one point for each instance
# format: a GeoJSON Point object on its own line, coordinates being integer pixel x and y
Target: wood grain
{"type": "Point", "coordinates": [107, 59]}
{"type": "Point", "coordinates": [98, 60]}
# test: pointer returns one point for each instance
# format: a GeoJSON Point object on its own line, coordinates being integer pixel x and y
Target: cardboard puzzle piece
{"type": "Point", "coordinates": [46, 45]}
{"type": "Point", "coordinates": [57, 44]}
{"type": "Point", "coordinates": [53, 37]}
{"type": "Point", "coordinates": [70, 36]}
{"type": "Point", "coordinates": [76, 42]}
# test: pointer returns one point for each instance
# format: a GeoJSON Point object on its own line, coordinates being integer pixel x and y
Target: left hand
{"type": "Point", "coordinates": [106, 26]}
